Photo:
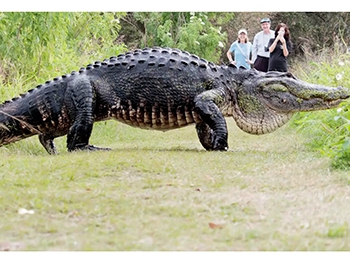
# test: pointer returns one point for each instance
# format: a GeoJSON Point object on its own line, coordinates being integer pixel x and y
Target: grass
{"type": "Point", "coordinates": [163, 191]}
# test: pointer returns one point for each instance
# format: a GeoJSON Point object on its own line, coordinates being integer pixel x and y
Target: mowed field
{"type": "Point", "coordinates": [161, 191]}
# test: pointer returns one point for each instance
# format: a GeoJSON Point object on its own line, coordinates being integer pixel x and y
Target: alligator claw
{"type": "Point", "coordinates": [91, 148]}
{"type": "Point", "coordinates": [94, 148]}
{"type": "Point", "coordinates": [220, 145]}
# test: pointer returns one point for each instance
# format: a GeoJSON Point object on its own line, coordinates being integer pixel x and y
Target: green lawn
{"type": "Point", "coordinates": [163, 191]}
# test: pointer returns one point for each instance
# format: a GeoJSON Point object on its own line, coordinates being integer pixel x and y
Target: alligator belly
{"type": "Point", "coordinates": [157, 118]}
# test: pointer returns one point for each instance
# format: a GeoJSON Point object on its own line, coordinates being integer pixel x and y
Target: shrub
{"type": "Point", "coordinates": [36, 45]}
{"type": "Point", "coordinates": [329, 130]}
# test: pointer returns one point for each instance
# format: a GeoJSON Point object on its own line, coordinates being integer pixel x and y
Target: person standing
{"type": "Point", "coordinates": [260, 51]}
{"type": "Point", "coordinates": [242, 50]}
{"type": "Point", "coordinates": [279, 47]}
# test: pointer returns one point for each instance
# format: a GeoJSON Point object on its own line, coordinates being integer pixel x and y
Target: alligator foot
{"type": "Point", "coordinates": [209, 140]}
{"type": "Point", "coordinates": [220, 144]}
{"type": "Point", "coordinates": [90, 148]}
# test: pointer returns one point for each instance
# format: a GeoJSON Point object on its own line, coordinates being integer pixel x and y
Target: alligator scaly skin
{"type": "Point", "coordinates": [152, 88]}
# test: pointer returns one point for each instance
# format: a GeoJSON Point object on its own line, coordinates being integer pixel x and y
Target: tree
{"type": "Point", "coordinates": [313, 31]}
{"type": "Point", "coordinates": [197, 33]}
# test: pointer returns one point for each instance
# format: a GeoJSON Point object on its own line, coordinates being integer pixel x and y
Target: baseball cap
{"type": "Point", "coordinates": [264, 20]}
{"type": "Point", "coordinates": [242, 31]}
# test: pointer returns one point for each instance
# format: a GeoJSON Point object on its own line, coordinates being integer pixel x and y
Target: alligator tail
{"type": "Point", "coordinates": [13, 129]}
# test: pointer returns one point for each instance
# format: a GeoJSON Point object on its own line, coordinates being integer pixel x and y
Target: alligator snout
{"type": "Point", "coordinates": [341, 93]}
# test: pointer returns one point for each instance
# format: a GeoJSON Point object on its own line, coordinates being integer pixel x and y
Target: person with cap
{"type": "Point", "coordinates": [242, 50]}
{"type": "Point", "coordinates": [279, 47]}
{"type": "Point", "coordinates": [260, 51]}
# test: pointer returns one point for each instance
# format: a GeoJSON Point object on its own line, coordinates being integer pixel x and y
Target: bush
{"type": "Point", "coordinates": [36, 47]}
{"type": "Point", "coordinates": [329, 130]}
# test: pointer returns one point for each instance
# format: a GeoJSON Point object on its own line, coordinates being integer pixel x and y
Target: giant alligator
{"type": "Point", "coordinates": [161, 89]}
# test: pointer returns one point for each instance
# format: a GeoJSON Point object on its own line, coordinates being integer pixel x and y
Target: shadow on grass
{"type": "Point", "coordinates": [39, 151]}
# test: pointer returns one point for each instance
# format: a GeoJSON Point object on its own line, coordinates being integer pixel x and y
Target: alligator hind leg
{"type": "Point", "coordinates": [47, 142]}
{"type": "Point", "coordinates": [80, 107]}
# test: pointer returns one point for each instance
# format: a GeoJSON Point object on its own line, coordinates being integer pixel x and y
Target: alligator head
{"type": "Point", "coordinates": [265, 101]}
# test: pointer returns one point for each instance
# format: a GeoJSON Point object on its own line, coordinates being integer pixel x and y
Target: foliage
{"type": "Point", "coordinates": [329, 130]}
{"type": "Point", "coordinates": [34, 45]}
{"type": "Point", "coordinates": [193, 32]}
{"type": "Point", "coordinates": [313, 31]}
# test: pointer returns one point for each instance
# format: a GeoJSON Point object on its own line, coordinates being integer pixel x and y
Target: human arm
{"type": "Point", "coordinates": [229, 56]}
{"type": "Point", "coordinates": [272, 44]}
{"type": "Point", "coordinates": [250, 56]}
{"type": "Point", "coordinates": [231, 50]}
{"type": "Point", "coordinates": [285, 49]}
{"type": "Point", "coordinates": [255, 48]}
{"type": "Point", "coordinates": [280, 37]}
{"type": "Point", "coordinates": [284, 45]}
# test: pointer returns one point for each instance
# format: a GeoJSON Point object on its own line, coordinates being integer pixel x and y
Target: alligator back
{"type": "Point", "coordinates": [154, 87]}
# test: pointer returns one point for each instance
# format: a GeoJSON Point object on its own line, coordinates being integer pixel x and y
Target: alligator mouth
{"type": "Point", "coordinates": [346, 97]}
{"type": "Point", "coordinates": [317, 104]}
{"type": "Point", "coordinates": [287, 106]}
{"type": "Point", "coordinates": [335, 102]}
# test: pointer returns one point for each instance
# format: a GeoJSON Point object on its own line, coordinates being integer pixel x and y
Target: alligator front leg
{"type": "Point", "coordinates": [212, 132]}
{"type": "Point", "coordinates": [80, 107]}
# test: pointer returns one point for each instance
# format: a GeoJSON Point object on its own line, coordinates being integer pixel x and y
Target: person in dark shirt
{"type": "Point", "coordinates": [280, 47]}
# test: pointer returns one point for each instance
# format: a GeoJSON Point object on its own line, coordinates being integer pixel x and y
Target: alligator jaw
{"type": "Point", "coordinates": [288, 94]}
{"type": "Point", "coordinates": [268, 102]}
